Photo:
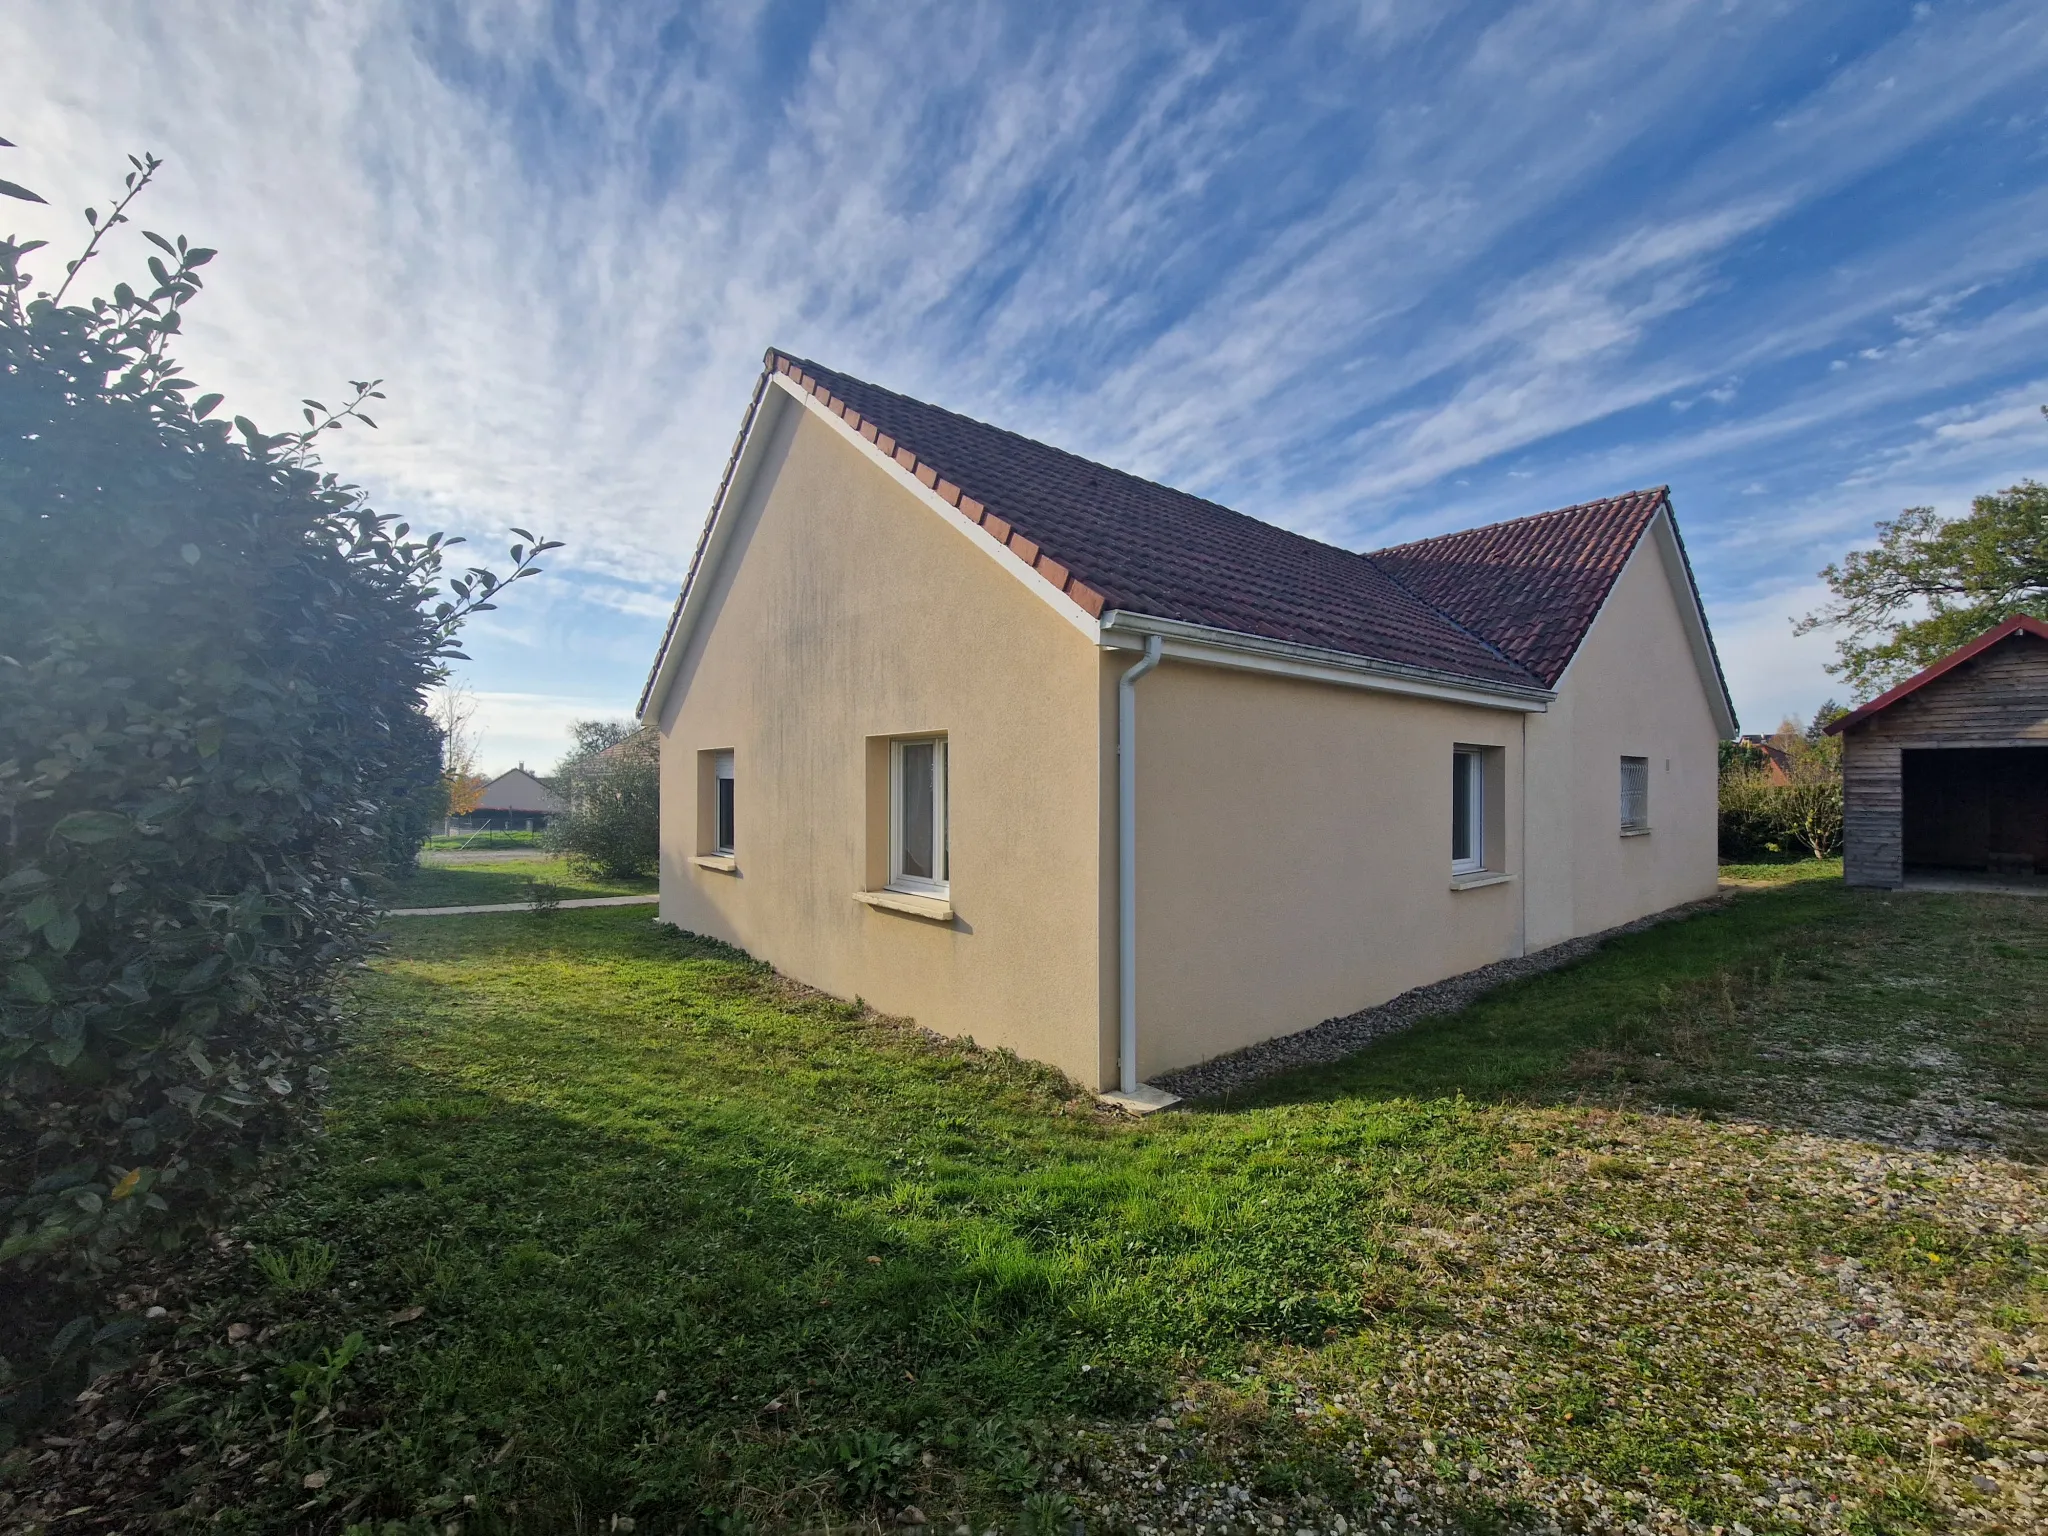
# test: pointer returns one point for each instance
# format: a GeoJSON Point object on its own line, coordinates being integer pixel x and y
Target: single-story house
{"type": "Point", "coordinates": [1949, 771]}
{"type": "Point", "coordinates": [1036, 751]}
{"type": "Point", "coordinates": [515, 801]}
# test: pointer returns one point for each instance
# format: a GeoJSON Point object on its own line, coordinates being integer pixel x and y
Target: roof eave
{"type": "Point", "coordinates": [738, 466]}
{"type": "Point", "coordinates": [1706, 654]}
{"type": "Point", "coordinates": [2018, 624]}
{"type": "Point", "coordinates": [1260, 653]}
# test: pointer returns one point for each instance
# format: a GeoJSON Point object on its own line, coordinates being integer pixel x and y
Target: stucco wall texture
{"type": "Point", "coordinates": [1293, 836]}
{"type": "Point", "coordinates": [845, 610]}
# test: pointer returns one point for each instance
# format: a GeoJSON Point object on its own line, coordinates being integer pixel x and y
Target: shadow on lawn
{"type": "Point", "coordinates": [689, 1240]}
{"type": "Point", "coordinates": [612, 1327]}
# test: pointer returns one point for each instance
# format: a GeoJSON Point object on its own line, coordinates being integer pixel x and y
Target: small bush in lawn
{"type": "Point", "coordinates": [214, 662]}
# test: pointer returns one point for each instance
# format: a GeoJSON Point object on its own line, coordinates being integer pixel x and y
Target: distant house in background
{"type": "Point", "coordinates": [513, 802]}
{"type": "Point", "coordinates": [1775, 760]}
{"type": "Point", "coordinates": [1948, 772]}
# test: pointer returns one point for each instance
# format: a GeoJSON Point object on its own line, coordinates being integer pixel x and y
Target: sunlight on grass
{"type": "Point", "coordinates": [476, 885]}
{"type": "Point", "coordinates": [679, 1228]}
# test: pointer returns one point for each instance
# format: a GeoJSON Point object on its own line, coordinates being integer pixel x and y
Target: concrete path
{"type": "Point", "coordinates": [525, 906]}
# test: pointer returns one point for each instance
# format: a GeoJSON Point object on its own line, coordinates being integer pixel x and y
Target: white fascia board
{"type": "Point", "coordinates": [1283, 658]}
{"type": "Point", "coordinates": [972, 531]}
{"type": "Point", "coordinates": [1678, 571]}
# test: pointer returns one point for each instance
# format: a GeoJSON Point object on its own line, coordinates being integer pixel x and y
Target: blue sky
{"type": "Point", "coordinates": [1368, 270]}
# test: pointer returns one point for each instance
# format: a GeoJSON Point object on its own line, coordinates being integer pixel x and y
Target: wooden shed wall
{"type": "Point", "coordinates": [1997, 699]}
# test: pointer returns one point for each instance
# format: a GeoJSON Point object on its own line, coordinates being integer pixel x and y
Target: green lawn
{"type": "Point", "coordinates": [475, 840]}
{"type": "Point", "coordinates": [475, 885]}
{"type": "Point", "coordinates": [630, 1228]}
{"type": "Point", "coordinates": [1778, 871]}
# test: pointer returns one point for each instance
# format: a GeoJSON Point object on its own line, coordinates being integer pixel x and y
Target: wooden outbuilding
{"type": "Point", "coordinates": [1948, 772]}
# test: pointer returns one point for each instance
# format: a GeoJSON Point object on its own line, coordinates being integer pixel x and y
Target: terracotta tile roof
{"type": "Point", "coordinates": [1531, 587]}
{"type": "Point", "coordinates": [1131, 544]}
{"type": "Point", "coordinates": [1505, 605]}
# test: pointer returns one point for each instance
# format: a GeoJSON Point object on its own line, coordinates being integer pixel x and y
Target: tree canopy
{"type": "Point", "coordinates": [1932, 584]}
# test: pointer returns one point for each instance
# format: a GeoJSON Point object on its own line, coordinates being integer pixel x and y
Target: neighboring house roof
{"type": "Point", "coordinates": [1505, 606]}
{"type": "Point", "coordinates": [518, 790]}
{"type": "Point", "coordinates": [2018, 624]}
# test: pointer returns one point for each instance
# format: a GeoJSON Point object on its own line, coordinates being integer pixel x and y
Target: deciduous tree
{"type": "Point", "coordinates": [1934, 583]}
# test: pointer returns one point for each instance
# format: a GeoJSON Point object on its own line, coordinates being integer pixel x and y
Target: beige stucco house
{"type": "Point", "coordinates": [1035, 751]}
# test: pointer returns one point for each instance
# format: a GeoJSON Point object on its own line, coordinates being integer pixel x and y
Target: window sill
{"type": "Point", "coordinates": [1635, 831]}
{"type": "Point", "coordinates": [936, 909]}
{"type": "Point", "coordinates": [724, 863]}
{"type": "Point", "coordinates": [1479, 877]}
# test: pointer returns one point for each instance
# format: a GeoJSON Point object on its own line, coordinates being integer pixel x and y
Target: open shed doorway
{"type": "Point", "coordinates": [1977, 809]}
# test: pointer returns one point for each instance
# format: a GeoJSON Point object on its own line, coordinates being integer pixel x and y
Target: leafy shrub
{"type": "Point", "coordinates": [214, 658]}
{"type": "Point", "coordinates": [613, 822]}
{"type": "Point", "coordinates": [1788, 806]}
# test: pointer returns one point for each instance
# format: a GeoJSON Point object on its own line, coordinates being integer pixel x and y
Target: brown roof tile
{"type": "Point", "coordinates": [1532, 587]}
{"type": "Point", "coordinates": [1149, 549]}
{"type": "Point", "coordinates": [1506, 604]}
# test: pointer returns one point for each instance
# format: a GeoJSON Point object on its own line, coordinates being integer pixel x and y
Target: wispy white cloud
{"type": "Point", "coordinates": [1373, 271]}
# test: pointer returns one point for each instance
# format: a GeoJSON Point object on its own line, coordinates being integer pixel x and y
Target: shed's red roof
{"type": "Point", "coordinates": [2018, 624]}
{"type": "Point", "coordinates": [1508, 604]}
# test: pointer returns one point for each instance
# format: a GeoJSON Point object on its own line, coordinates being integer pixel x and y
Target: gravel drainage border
{"type": "Point", "coordinates": [1334, 1039]}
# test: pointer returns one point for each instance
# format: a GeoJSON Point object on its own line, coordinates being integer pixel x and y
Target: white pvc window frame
{"type": "Point", "coordinates": [723, 819]}
{"type": "Point", "coordinates": [1468, 810]}
{"type": "Point", "coordinates": [920, 856]}
{"type": "Point", "coordinates": [1635, 794]}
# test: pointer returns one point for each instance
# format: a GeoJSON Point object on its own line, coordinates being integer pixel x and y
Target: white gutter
{"type": "Point", "coordinates": [1131, 1094]}
{"type": "Point", "coordinates": [1284, 658]}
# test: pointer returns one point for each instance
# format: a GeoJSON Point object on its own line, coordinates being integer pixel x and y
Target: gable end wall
{"type": "Point", "coordinates": [842, 612]}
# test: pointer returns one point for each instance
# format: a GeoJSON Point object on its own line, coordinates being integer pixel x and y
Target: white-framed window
{"type": "Point", "coordinates": [1635, 794]}
{"type": "Point", "coordinates": [722, 810]}
{"type": "Point", "coordinates": [918, 833]}
{"type": "Point", "coordinates": [1468, 811]}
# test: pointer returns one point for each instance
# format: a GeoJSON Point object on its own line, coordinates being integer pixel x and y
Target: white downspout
{"type": "Point", "coordinates": [1127, 864]}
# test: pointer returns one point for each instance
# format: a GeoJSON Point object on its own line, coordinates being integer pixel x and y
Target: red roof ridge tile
{"type": "Point", "coordinates": [1660, 492]}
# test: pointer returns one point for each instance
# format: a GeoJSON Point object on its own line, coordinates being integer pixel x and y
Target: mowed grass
{"type": "Point", "coordinates": [475, 885]}
{"type": "Point", "coordinates": [630, 1228]}
{"type": "Point", "coordinates": [476, 840]}
{"type": "Point", "coordinates": [1777, 871]}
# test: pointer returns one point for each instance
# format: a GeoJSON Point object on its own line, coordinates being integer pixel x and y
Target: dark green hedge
{"type": "Point", "coordinates": [213, 660]}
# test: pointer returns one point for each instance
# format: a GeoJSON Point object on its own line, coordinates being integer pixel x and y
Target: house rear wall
{"type": "Point", "coordinates": [1632, 690]}
{"type": "Point", "coordinates": [1294, 838]}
